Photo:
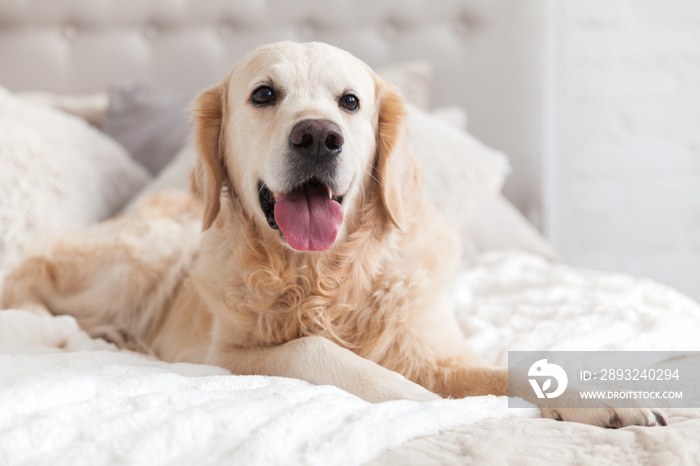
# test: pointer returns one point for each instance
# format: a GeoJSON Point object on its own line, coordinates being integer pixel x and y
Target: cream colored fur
{"type": "Point", "coordinates": [365, 315]}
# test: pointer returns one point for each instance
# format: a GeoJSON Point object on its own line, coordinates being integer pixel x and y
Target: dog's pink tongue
{"type": "Point", "coordinates": [309, 219]}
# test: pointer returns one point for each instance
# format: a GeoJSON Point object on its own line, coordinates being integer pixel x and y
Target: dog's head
{"type": "Point", "coordinates": [299, 133]}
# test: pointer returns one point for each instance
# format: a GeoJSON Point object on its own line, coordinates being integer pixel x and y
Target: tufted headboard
{"type": "Point", "coordinates": [488, 54]}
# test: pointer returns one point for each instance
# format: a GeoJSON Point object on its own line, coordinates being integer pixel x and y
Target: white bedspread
{"type": "Point", "coordinates": [67, 399]}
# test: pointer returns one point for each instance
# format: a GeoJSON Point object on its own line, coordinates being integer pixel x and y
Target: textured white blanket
{"type": "Point", "coordinates": [67, 399]}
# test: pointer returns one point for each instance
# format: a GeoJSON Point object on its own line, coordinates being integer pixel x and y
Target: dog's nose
{"type": "Point", "coordinates": [317, 138]}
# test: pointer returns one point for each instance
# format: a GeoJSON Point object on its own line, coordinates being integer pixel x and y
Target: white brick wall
{"type": "Point", "coordinates": [629, 180]}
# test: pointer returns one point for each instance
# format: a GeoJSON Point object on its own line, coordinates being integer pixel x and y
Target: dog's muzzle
{"type": "Point", "coordinates": [308, 213]}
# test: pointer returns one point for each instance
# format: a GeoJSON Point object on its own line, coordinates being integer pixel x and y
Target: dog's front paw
{"type": "Point", "coordinates": [396, 387]}
{"type": "Point", "coordinates": [379, 384]}
{"type": "Point", "coordinates": [610, 418]}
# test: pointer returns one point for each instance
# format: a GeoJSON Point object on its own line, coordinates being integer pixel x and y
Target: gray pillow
{"type": "Point", "coordinates": [153, 125]}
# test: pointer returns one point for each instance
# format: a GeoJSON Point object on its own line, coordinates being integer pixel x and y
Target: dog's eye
{"type": "Point", "coordinates": [349, 102]}
{"type": "Point", "coordinates": [263, 95]}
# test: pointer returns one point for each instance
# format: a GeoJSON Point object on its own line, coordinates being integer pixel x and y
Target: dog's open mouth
{"type": "Point", "coordinates": [309, 216]}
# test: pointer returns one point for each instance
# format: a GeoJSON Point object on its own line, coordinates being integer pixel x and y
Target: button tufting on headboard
{"type": "Point", "coordinates": [151, 32]}
{"type": "Point", "coordinates": [307, 30]}
{"type": "Point", "coordinates": [225, 30]}
{"type": "Point", "coordinates": [390, 30]}
{"type": "Point", "coordinates": [69, 31]}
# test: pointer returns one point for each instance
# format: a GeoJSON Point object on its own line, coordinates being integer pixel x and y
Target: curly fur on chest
{"type": "Point", "coordinates": [276, 295]}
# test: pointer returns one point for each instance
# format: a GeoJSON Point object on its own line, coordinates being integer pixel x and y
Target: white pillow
{"type": "Point", "coordinates": [460, 174]}
{"type": "Point", "coordinates": [497, 224]}
{"type": "Point", "coordinates": [453, 114]}
{"type": "Point", "coordinates": [500, 225]}
{"type": "Point", "coordinates": [56, 171]}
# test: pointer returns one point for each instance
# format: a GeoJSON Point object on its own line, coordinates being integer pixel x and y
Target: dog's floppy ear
{"type": "Point", "coordinates": [208, 175]}
{"type": "Point", "coordinates": [396, 169]}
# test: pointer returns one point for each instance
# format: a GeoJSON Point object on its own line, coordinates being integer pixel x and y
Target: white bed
{"type": "Point", "coordinates": [68, 399]}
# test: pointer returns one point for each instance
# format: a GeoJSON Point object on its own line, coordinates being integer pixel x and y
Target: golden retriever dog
{"type": "Point", "coordinates": [307, 248]}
